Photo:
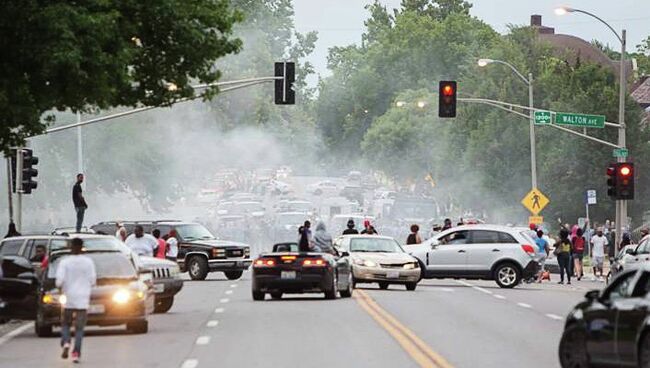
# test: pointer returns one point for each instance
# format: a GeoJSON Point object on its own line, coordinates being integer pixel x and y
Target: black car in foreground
{"type": "Point", "coordinates": [610, 328]}
{"type": "Point", "coordinates": [285, 270]}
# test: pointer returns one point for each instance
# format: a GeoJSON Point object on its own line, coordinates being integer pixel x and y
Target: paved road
{"type": "Point", "coordinates": [444, 323]}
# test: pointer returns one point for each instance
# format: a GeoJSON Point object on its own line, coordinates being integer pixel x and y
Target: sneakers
{"type": "Point", "coordinates": [66, 349]}
{"type": "Point", "coordinates": [560, 282]}
{"type": "Point", "coordinates": [75, 357]}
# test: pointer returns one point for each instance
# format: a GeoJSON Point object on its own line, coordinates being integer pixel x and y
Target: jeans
{"type": "Point", "coordinates": [80, 217]}
{"type": "Point", "coordinates": [80, 324]}
{"type": "Point", "coordinates": [564, 261]}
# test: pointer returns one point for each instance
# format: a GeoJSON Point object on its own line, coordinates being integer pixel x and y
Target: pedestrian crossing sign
{"type": "Point", "coordinates": [537, 220]}
{"type": "Point", "coordinates": [535, 201]}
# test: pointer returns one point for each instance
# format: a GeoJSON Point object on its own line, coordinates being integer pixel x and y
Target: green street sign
{"type": "Point", "coordinates": [620, 152]}
{"type": "Point", "coordinates": [542, 117]}
{"type": "Point", "coordinates": [580, 120]}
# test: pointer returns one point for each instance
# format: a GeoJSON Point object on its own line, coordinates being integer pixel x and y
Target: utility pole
{"type": "Point", "coordinates": [10, 190]}
{"type": "Point", "coordinates": [621, 205]}
{"type": "Point", "coordinates": [80, 164]}
{"type": "Point", "coordinates": [533, 157]}
{"type": "Point", "coordinates": [19, 188]}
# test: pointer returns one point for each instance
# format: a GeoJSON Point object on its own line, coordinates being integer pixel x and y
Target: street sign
{"type": "Point", "coordinates": [580, 120]}
{"type": "Point", "coordinates": [591, 196]}
{"type": "Point", "coordinates": [620, 152]}
{"type": "Point", "coordinates": [542, 117]}
{"type": "Point", "coordinates": [535, 201]}
{"type": "Point", "coordinates": [537, 220]}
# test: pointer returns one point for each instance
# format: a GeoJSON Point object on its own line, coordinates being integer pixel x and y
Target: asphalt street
{"type": "Point", "coordinates": [444, 323]}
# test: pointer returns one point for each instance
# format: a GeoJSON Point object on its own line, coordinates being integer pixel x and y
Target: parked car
{"type": "Point", "coordinates": [490, 252]}
{"type": "Point", "coordinates": [325, 187]}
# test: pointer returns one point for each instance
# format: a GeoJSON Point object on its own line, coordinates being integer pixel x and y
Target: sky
{"type": "Point", "coordinates": [340, 22]}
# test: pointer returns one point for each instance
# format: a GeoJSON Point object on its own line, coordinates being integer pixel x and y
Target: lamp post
{"type": "Point", "coordinates": [621, 206]}
{"type": "Point", "coordinates": [529, 83]}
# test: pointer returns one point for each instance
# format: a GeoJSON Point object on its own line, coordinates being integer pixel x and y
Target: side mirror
{"type": "Point", "coordinates": [344, 253]}
{"type": "Point", "coordinates": [592, 295]}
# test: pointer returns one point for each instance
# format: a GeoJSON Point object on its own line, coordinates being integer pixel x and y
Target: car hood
{"type": "Point", "coordinates": [385, 258]}
{"type": "Point", "coordinates": [152, 262]}
{"type": "Point", "coordinates": [217, 243]}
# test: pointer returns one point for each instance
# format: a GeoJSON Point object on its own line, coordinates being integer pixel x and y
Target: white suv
{"type": "Point", "coordinates": [491, 252]}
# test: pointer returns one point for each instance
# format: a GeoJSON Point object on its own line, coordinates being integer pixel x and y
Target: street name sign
{"type": "Point", "coordinates": [542, 117]}
{"type": "Point", "coordinates": [580, 120]}
{"type": "Point", "coordinates": [535, 201]}
{"type": "Point", "coordinates": [537, 220]}
{"type": "Point", "coordinates": [620, 152]}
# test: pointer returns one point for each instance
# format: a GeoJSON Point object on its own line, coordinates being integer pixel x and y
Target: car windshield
{"type": "Point", "coordinates": [290, 218]}
{"type": "Point", "coordinates": [107, 266]}
{"type": "Point", "coordinates": [110, 244]}
{"type": "Point", "coordinates": [194, 232]}
{"type": "Point", "coordinates": [374, 245]}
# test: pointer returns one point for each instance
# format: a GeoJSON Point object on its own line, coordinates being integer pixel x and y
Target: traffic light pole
{"type": "Point", "coordinates": [10, 199]}
{"type": "Point", "coordinates": [19, 188]}
{"type": "Point", "coordinates": [621, 205]}
{"type": "Point", "coordinates": [533, 156]}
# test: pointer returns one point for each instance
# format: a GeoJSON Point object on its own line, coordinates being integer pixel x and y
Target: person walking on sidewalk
{"type": "Point", "coordinates": [79, 201]}
{"type": "Point", "coordinates": [563, 251]}
{"type": "Point", "coordinates": [542, 252]}
{"type": "Point", "coordinates": [75, 276]}
{"type": "Point", "coordinates": [598, 244]}
{"type": "Point", "coordinates": [578, 250]}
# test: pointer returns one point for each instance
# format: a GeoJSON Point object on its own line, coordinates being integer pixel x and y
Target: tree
{"type": "Point", "coordinates": [79, 55]}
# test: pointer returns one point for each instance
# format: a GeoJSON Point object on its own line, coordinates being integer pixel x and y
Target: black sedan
{"type": "Point", "coordinates": [285, 270]}
{"type": "Point", "coordinates": [611, 327]}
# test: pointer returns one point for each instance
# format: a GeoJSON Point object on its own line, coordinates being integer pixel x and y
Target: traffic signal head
{"type": "Point", "coordinates": [29, 172]}
{"type": "Point", "coordinates": [625, 180]}
{"type": "Point", "coordinates": [611, 181]}
{"type": "Point", "coordinates": [447, 99]}
{"type": "Point", "coordinates": [284, 93]}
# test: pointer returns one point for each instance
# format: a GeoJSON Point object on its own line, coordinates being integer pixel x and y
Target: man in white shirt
{"type": "Point", "coordinates": [75, 276]}
{"type": "Point", "coordinates": [121, 232]}
{"type": "Point", "coordinates": [142, 244]}
{"type": "Point", "coordinates": [172, 246]}
{"type": "Point", "coordinates": [598, 244]}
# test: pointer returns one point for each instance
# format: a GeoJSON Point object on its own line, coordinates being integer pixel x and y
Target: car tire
{"type": "Point", "coordinates": [333, 291]}
{"type": "Point", "coordinates": [410, 286]}
{"type": "Point", "coordinates": [258, 295]}
{"type": "Point", "coordinates": [233, 275]}
{"type": "Point", "coordinates": [197, 267]}
{"type": "Point", "coordinates": [276, 295]}
{"type": "Point", "coordinates": [507, 275]}
{"type": "Point", "coordinates": [573, 348]}
{"type": "Point", "coordinates": [163, 305]}
{"type": "Point", "coordinates": [347, 293]}
{"type": "Point", "coordinates": [43, 329]}
{"type": "Point", "coordinates": [383, 285]}
{"type": "Point", "coordinates": [423, 269]}
{"type": "Point", "coordinates": [644, 350]}
{"type": "Point", "coordinates": [138, 327]}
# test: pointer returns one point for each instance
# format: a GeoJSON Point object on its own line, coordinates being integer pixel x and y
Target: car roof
{"type": "Point", "coordinates": [292, 213]}
{"type": "Point", "coordinates": [365, 236]}
{"type": "Point", "coordinates": [507, 229]}
{"type": "Point", "coordinates": [36, 236]}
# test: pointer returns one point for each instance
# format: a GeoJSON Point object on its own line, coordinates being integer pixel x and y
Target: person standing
{"type": "Point", "coordinates": [322, 239]}
{"type": "Point", "coordinates": [351, 228]}
{"type": "Point", "coordinates": [578, 250]}
{"type": "Point", "coordinates": [172, 246]}
{"type": "Point", "coordinates": [75, 276]}
{"type": "Point", "coordinates": [161, 248]}
{"type": "Point", "coordinates": [562, 251]}
{"type": "Point", "coordinates": [79, 201]}
{"type": "Point", "coordinates": [598, 244]}
{"type": "Point", "coordinates": [446, 225]}
{"type": "Point", "coordinates": [542, 252]}
{"type": "Point", "coordinates": [142, 244]}
{"type": "Point", "coordinates": [414, 236]}
{"type": "Point", "coordinates": [121, 232]}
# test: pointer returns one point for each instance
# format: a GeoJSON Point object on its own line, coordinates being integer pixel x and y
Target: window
{"type": "Point", "coordinates": [57, 244]}
{"type": "Point", "coordinates": [37, 251]}
{"type": "Point", "coordinates": [485, 237]}
{"type": "Point", "coordinates": [458, 237]}
{"type": "Point", "coordinates": [507, 238]}
{"type": "Point", "coordinates": [11, 247]}
{"type": "Point", "coordinates": [644, 247]}
{"type": "Point", "coordinates": [642, 286]}
{"type": "Point", "coordinates": [620, 288]}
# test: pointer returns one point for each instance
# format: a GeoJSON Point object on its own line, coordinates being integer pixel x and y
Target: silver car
{"type": "Point", "coordinates": [490, 252]}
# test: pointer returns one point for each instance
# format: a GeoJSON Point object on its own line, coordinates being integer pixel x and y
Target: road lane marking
{"type": "Point", "coordinates": [423, 355]}
{"type": "Point", "coordinates": [524, 305]}
{"type": "Point", "coordinates": [465, 283]}
{"type": "Point", "coordinates": [499, 296]}
{"type": "Point", "coordinates": [485, 291]}
{"type": "Point", "coordinates": [15, 332]}
{"type": "Point", "coordinates": [233, 285]}
{"type": "Point", "coordinates": [202, 340]}
{"type": "Point", "coordinates": [554, 316]}
{"type": "Point", "coordinates": [224, 300]}
{"type": "Point", "coordinates": [228, 292]}
{"type": "Point", "coordinates": [219, 310]}
{"type": "Point", "coordinates": [212, 323]}
{"type": "Point", "coordinates": [190, 363]}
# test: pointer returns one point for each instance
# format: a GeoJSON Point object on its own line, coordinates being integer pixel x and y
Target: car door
{"type": "Point", "coordinates": [631, 314]}
{"type": "Point", "coordinates": [483, 249]}
{"type": "Point", "coordinates": [600, 320]}
{"type": "Point", "coordinates": [641, 254]}
{"type": "Point", "coordinates": [18, 288]}
{"type": "Point", "coordinates": [448, 255]}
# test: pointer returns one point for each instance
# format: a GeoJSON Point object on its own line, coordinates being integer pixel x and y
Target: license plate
{"type": "Point", "coordinates": [392, 274]}
{"type": "Point", "coordinates": [96, 309]}
{"type": "Point", "coordinates": [288, 275]}
{"type": "Point", "coordinates": [237, 253]}
{"type": "Point", "coordinates": [158, 288]}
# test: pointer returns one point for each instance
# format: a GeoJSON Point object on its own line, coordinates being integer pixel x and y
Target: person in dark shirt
{"type": "Point", "coordinates": [350, 228]}
{"type": "Point", "coordinates": [79, 202]}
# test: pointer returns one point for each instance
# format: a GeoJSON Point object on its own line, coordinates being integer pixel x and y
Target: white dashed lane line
{"type": "Point", "coordinates": [202, 340]}
{"type": "Point", "coordinates": [233, 285]}
{"type": "Point", "coordinates": [212, 323]}
{"type": "Point", "coordinates": [190, 363]}
{"type": "Point", "coordinates": [499, 296]}
{"type": "Point", "coordinates": [219, 310]}
{"type": "Point", "coordinates": [224, 300]}
{"type": "Point", "coordinates": [554, 316]}
{"type": "Point", "coordinates": [524, 305]}
{"type": "Point", "coordinates": [228, 292]}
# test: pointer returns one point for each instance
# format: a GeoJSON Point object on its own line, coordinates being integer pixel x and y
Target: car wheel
{"type": "Point", "coordinates": [138, 327]}
{"type": "Point", "coordinates": [507, 275]}
{"type": "Point", "coordinates": [347, 292]}
{"type": "Point", "coordinates": [573, 348]}
{"type": "Point", "coordinates": [423, 269]}
{"type": "Point", "coordinates": [276, 295]}
{"type": "Point", "coordinates": [644, 351]}
{"type": "Point", "coordinates": [333, 291]}
{"type": "Point", "coordinates": [383, 285]}
{"type": "Point", "coordinates": [163, 305]}
{"type": "Point", "coordinates": [233, 275]}
{"type": "Point", "coordinates": [198, 268]}
{"type": "Point", "coordinates": [411, 286]}
{"type": "Point", "coordinates": [42, 329]}
{"type": "Point", "coordinates": [258, 295]}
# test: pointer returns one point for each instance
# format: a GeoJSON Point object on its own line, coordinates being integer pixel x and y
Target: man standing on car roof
{"type": "Point", "coordinates": [75, 276]}
{"type": "Point", "coordinates": [79, 201]}
{"type": "Point", "coordinates": [351, 230]}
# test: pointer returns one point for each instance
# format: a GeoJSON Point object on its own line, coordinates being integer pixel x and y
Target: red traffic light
{"type": "Point", "coordinates": [447, 90]}
{"type": "Point", "coordinates": [625, 170]}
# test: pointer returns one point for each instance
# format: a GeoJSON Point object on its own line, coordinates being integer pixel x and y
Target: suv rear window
{"type": "Point", "coordinates": [11, 247]}
{"type": "Point", "coordinates": [485, 237]}
{"type": "Point", "coordinates": [506, 238]}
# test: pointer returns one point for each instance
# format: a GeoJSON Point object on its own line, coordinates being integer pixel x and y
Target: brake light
{"type": "Point", "coordinates": [288, 258]}
{"type": "Point", "coordinates": [314, 263]}
{"type": "Point", "coordinates": [528, 249]}
{"type": "Point", "coordinates": [264, 263]}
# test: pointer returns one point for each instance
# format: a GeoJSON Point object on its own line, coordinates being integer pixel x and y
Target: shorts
{"type": "Point", "coordinates": [598, 261]}
{"type": "Point", "coordinates": [578, 256]}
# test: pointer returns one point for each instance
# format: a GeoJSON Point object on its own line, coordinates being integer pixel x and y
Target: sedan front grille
{"type": "Point", "coordinates": [392, 265]}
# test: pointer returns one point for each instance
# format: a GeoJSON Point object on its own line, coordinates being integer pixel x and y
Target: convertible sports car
{"type": "Point", "coordinates": [285, 270]}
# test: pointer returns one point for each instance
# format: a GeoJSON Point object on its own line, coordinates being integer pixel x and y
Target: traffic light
{"type": "Point", "coordinates": [447, 99]}
{"type": "Point", "coordinates": [29, 172]}
{"type": "Point", "coordinates": [284, 93]}
{"type": "Point", "coordinates": [611, 181]}
{"type": "Point", "coordinates": [620, 180]}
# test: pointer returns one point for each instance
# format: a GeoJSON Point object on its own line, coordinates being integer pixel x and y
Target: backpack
{"type": "Point", "coordinates": [579, 245]}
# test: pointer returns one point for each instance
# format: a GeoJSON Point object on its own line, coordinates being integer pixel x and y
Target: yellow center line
{"type": "Point", "coordinates": [411, 343]}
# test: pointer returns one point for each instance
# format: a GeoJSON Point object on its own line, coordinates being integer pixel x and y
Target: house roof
{"type": "Point", "coordinates": [641, 94]}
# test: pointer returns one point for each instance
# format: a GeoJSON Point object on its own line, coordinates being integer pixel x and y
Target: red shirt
{"type": "Point", "coordinates": [162, 248]}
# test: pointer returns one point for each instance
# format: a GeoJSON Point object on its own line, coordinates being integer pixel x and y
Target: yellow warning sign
{"type": "Point", "coordinates": [537, 220]}
{"type": "Point", "coordinates": [535, 201]}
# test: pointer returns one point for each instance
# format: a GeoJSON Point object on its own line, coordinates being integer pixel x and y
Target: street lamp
{"type": "Point", "coordinates": [421, 104]}
{"type": "Point", "coordinates": [529, 82]}
{"type": "Point", "coordinates": [621, 206]}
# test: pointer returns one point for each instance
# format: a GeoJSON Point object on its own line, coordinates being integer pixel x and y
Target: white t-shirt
{"type": "Point", "coordinates": [76, 277]}
{"type": "Point", "coordinates": [599, 243]}
{"type": "Point", "coordinates": [119, 232]}
{"type": "Point", "coordinates": [143, 246]}
{"type": "Point", "coordinates": [172, 247]}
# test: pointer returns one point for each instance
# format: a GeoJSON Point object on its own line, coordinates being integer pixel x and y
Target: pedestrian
{"type": "Point", "coordinates": [140, 243]}
{"type": "Point", "coordinates": [75, 276]}
{"type": "Point", "coordinates": [304, 240]}
{"type": "Point", "coordinates": [597, 254]}
{"type": "Point", "coordinates": [351, 228]}
{"type": "Point", "coordinates": [414, 236]}
{"type": "Point", "coordinates": [161, 248]}
{"type": "Point", "coordinates": [627, 240]}
{"type": "Point", "coordinates": [121, 232]}
{"type": "Point", "coordinates": [644, 233]}
{"type": "Point", "coordinates": [322, 239]}
{"type": "Point", "coordinates": [11, 232]}
{"type": "Point", "coordinates": [578, 250]}
{"type": "Point", "coordinates": [368, 229]}
{"type": "Point", "coordinates": [79, 201]}
{"type": "Point", "coordinates": [542, 252]}
{"type": "Point", "coordinates": [172, 245]}
{"type": "Point", "coordinates": [562, 251]}
{"type": "Point", "coordinates": [446, 225]}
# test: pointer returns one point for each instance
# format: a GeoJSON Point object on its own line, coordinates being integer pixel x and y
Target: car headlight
{"type": "Point", "coordinates": [365, 263]}
{"type": "Point", "coordinates": [122, 296]}
{"type": "Point", "coordinates": [54, 298]}
{"type": "Point", "coordinates": [410, 266]}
